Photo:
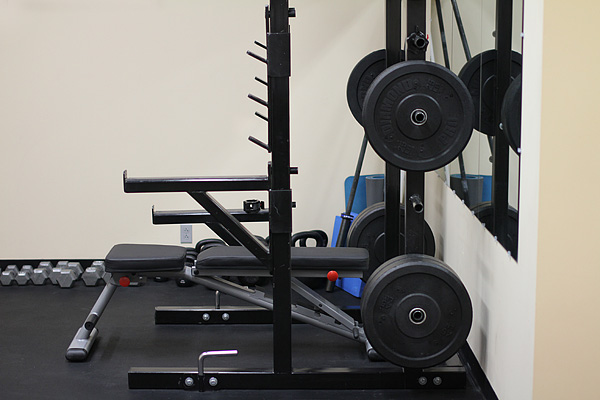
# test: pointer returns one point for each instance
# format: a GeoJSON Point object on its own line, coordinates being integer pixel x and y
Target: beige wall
{"type": "Point", "coordinates": [568, 273]}
{"type": "Point", "coordinates": [88, 89]}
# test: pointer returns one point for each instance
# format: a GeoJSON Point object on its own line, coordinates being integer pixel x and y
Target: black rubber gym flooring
{"type": "Point", "coordinates": [38, 323]}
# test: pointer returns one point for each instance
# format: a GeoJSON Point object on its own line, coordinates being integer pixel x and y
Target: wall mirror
{"type": "Point", "coordinates": [464, 40]}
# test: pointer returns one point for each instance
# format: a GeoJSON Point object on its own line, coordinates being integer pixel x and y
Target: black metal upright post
{"type": "Point", "coordinates": [393, 45]}
{"type": "Point", "coordinates": [280, 195]}
{"type": "Point", "coordinates": [504, 12]}
{"type": "Point", "coordinates": [415, 181]}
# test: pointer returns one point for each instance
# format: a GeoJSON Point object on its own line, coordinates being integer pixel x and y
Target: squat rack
{"type": "Point", "coordinates": [278, 256]}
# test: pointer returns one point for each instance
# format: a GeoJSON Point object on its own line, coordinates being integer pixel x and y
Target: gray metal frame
{"type": "Point", "coordinates": [330, 317]}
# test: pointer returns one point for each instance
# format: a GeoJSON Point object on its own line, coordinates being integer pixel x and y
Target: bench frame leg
{"type": "Point", "coordinates": [84, 339]}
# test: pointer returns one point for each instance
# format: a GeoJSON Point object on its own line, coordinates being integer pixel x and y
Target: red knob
{"type": "Point", "coordinates": [124, 281]}
{"type": "Point", "coordinates": [332, 276]}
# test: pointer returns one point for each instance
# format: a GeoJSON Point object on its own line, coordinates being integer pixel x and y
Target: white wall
{"type": "Point", "coordinates": [88, 89]}
{"type": "Point", "coordinates": [502, 292]}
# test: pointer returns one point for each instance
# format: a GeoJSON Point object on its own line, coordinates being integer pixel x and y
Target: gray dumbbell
{"type": "Point", "coordinates": [7, 277]}
{"type": "Point", "coordinates": [69, 275]}
{"type": "Point", "coordinates": [93, 274]}
{"type": "Point", "coordinates": [47, 265]}
{"type": "Point", "coordinates": [67, 278]}
{"type": "Point", "coordinates": [12, 268]}
{"type": "Point", "coordinates": [41, 274]}
{"type": "Point", "coordinates": [55, 272]}
{"type": "Point", "coordinates": [75, 266]}
{"type": "Point", "coordinates": [24, 275]}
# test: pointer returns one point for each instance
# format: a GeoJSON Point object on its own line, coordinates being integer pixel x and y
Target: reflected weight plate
{"type": "Point", "coordinates": [511, 114]}
{"type": "Point", "coordinates": [367, 231]}
{"type": "Point", "coordinates": [418, 116]}
{"type": "Point", "coordinates": [484, 213]}
{"type": "Point", "coordinates": [479, 74]}
{"type": "Point", "coordinates": [361, 77]}
{"type": "Point", "coordinates": [416, 312]}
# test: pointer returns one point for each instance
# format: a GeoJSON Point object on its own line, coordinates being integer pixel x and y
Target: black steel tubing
{"type": "Point", "coordinates": [414, 223]}
{"type": "Point", "coordinates": [223, 217]}
{"type": "Point", "coordinates": [343, 232]}
{"type": "Point", "coordinates": [280, 227]}
{"type": "Point", "coordinates": [504, 15]}
{"type": "Point", "coordinates": [202, 217]}
{"type": "Point", "coordinates": [346, 217]}
{"type": "Point", "coordinates": [393, 49]}
{"type": "Point", "coordinates": [187, 184]}
{"type": "Point", "coordinates": [442, 33]}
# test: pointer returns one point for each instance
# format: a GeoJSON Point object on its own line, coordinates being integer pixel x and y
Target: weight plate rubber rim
{"type": "Point", "coordinates": [445, 153]}
{"type": "Point", "coordinates": [472, 69]}
{"type": "Point", "coordinates": [367, 216]}
{"type": "Point", "coordinates": [356, 87]}
{"type": "Point", "coordinates": [403, 266]}
{"type": "Point", "coordinates": [510, 114]}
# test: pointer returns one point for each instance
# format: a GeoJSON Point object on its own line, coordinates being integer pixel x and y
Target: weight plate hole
{"type": "Point", "coordinates": [418, 117]}
{"type": "Point", "coordinates": [417, 316]}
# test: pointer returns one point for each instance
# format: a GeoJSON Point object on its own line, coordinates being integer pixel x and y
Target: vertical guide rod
{"type": "Point", "coordinates": [504, 15]}
{"type": "Point", "coordinates": [393, 47]}
{"type": "Point", "coordinates": [416, 19]}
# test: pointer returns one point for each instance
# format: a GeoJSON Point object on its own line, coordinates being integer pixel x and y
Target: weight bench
{"type": "Point", "coordinates": [125, 261]}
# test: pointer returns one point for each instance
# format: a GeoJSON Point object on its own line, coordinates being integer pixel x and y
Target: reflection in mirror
{"type": "Point", "coordinates": [463, 38]}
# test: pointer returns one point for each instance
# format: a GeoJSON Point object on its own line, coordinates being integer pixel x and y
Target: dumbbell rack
{"type": "Point", "coordinates": [278, 256]}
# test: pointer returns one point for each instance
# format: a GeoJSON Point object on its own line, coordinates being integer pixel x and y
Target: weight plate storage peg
{"type": "Point", "coordinates": [367, 231]}
{"type": "Point", "coordinates": [511, 114]}
{"type": "Point", "coordinates": [479, 74]}
{"type": "Point", "coordinates": [418, 115]}
{"type": "Point", "coordinates": [361, 77]}
{"type": "Point", "coordinates": [416, 312]}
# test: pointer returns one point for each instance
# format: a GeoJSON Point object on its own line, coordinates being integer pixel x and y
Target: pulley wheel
{"type": "Point", "coordinates": [484, 213]}
{"type": "Point", "coordinates": [367, 231]}
{"type": "Point", "coordinates": [511, 114]}
{"type": "Point", "coordinates": [361, 77]}
{"type": "Point", "coordinates": [416, 312]}
{"type": "Point", "coordinates": [418, 116]}
{"type": "Point", "coordinates": [479, 74]}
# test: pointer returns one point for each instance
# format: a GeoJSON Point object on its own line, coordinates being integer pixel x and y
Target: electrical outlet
{"type": "Point", "coordinates": [186, 233]}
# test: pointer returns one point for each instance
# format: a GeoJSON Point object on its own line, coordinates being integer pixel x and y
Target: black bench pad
{"type": "Point", "coordinates": [327, 258]}
{"type": "Point", "coordinates": [145, 258]}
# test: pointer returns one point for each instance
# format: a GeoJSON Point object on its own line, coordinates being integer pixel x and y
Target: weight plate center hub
{"type": "Point", "coordinates": [417, 315]}
{"type": "Point", "coordinates": [418, 116]}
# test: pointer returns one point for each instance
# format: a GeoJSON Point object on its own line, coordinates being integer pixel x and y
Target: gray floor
{"type": "Point", "coordinates": [38, 323]}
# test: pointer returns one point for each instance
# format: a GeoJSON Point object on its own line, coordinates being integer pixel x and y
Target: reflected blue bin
{"type": "Point", "coordinates": [486, 194]}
